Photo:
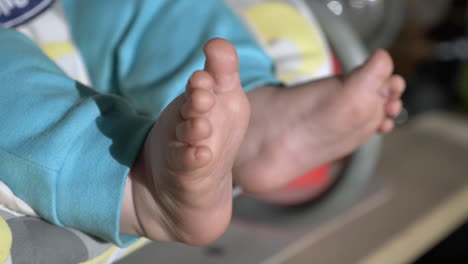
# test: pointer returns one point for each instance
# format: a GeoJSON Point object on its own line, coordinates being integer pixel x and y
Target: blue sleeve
{"type": "Point", "coordinates": [64, 148]}
{"type": "Point", "coordinates": [146, 50]}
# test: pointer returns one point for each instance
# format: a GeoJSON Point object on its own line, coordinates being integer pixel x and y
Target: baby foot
{"type": "Point", "coordinates": [293, 130]}
{"type": "Point", "coordinates": [182, 182]}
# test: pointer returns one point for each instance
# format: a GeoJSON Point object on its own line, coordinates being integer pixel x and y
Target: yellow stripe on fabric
{"type": "Point", "coordinates": [139, 244]}
{"type": "Point", "coordinates": [56, 50]}
{"type": "Point", "coordinates": [104, 258]}
{"type": "Point", "coordinates": [5, 241]}
{"type": "Point", "coordinates": [276, 20]}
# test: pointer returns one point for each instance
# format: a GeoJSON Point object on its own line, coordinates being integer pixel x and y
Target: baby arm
{"type": "Point", "coordinates": [65, 149]}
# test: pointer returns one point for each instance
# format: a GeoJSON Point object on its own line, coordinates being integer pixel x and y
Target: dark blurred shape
{"type": "Point", "coordinates": [452, 250]}
{"type": "Point", "coordinates": [215, 251]}
{"type": "Point", "coordinates": [432, 54]}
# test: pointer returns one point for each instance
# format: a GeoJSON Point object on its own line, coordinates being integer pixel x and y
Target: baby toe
{"type": "Point", "coordinates": [393, 108]}
{"type": "Point", "coordinates": [386, 126]}
{"type": "Point", "coordinates": [397, 87]}
{"type": "Point", "coordinates": [193, 130]}
{"type": "Point", "coordinates": [199, 102]}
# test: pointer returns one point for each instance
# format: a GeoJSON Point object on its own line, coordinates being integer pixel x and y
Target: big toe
{"type": "Point", "coordinates": [379, 65]}
{"type": "Point", "coordinates": [222, 63]}
{"type": "Point", "coordinates": [372, 77]}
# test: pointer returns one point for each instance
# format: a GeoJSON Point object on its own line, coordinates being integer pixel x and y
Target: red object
{"type": "Point", "coordinates": [336, 65]}
{"type": "Point", "coordinates": [316, 179]}
{"type": "Point", "coordinates": [304, 189]}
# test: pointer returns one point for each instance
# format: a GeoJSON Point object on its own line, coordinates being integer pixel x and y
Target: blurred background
{"type": "Point", "coordinates": [429, 43]}
{"type": "Point", "coordinates": [431, 52]}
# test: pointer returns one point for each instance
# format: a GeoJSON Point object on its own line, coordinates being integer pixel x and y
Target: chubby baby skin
{"type": "Point", "coordinates": [214, 135]}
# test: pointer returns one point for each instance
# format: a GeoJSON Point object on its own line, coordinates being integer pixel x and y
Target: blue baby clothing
{"type": "Point", "coordinates": [69, 137]}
